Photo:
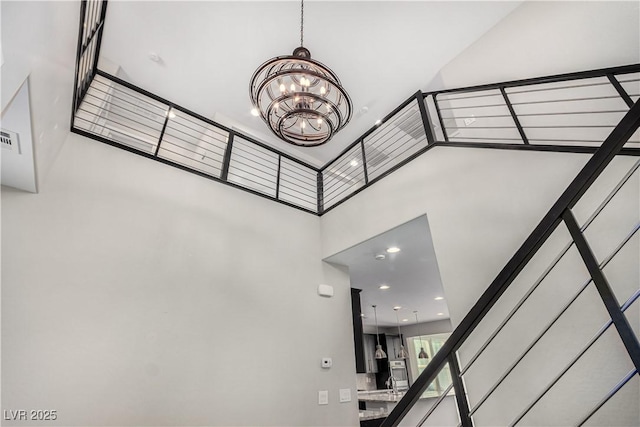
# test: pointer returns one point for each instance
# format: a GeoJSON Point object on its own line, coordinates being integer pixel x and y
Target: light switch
{"type": "Point", "coordinates": [345, 395]}
{"type": "Point", "coordinates": [323, 397]}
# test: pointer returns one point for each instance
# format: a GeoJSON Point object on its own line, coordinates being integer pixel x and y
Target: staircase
{"type": "Point", "coordinates": [554, 338]}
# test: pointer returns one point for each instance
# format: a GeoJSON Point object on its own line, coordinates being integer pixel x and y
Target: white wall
{"type": "Point", "coordinates": [39, 41]}
{"type": "Point", "coordinates": [134, 293]}
{"type": "Point", "coordinates": [542, 38]}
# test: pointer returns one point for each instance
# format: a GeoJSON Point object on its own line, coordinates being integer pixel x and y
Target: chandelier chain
{"type": "Point", "coordinates": [301, 22]}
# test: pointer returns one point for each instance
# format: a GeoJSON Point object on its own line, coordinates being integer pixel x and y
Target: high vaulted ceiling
{"type": "Point", "coordinates": [383, 51]}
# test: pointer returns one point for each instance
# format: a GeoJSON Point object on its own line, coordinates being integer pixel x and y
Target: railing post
{"type": "Point", "coordinates": [320, 193]}
{"type": "Point", "coordinates": [610, 301]}
{"type": "Point", "coordinates": [227, 158]}
{"type": "Point", "coordinates": [278, 177]}
{"type": "Point", "coordinates": [103, 12]}
{"type": "Point", "coordinates": [618, 87]}
{"type": "Point", "coordinates": [76, 90]}
{"type": "Point", "coordinates": [461, 393]}
{"type": "Point", "coordinates": [364, 162]}
{"type": "Point", "coordinates": [444, 130]}
{"type": "Point", "coordinates": [426, 120]}
{"type": "Point", "coordinates": [164, 127]}
{"type": "Point", "coordinates": [525, 140]}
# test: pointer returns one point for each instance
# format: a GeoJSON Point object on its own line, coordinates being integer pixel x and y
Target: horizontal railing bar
{"type": "Point", "coordinates": [560, 87]}
{"type": "Point", "coordinates": [207, 153]}
{"type": "Point", "coordinates": [163, 148]}
{"type": "Point", "coordinates": [118, 123]}
{"type": "Point", "coordinates": [628, 81]}
{"type": "Point", "coordinates": [214, 147]}
{"type": "Point", "coordinates": [104, 126]}
{"type": "Point", "coordinates": [587, 98]}
{"type": "Point", "coordinates": [301, 190]}
{"type": "Point", "coordinates": [472, 106]}
{"type": "Point", "coordinates": [435, 405]}
{"type": "Point", "coordinates": [535, 114]}
{"type": "Point", "coordinates": [199, 117]}
{"type": "Point", "coordinates": [90, 38]}
{"type": "Point", "coordinates": [302, 179]}
{"type": "Point", "coordinates": [340, 184]}
{"type": "Point", "coordinates": [259, 184]}
{"type": "Point", "coordinates": [371, 130]}
{"type": "Point", "coordinates": [533, 127]}
{"type": "Point", "coordinates": [374, 169]}
{"type": "Point", "coordinates": [347, 157]}
{"type": "Point", "coordinates": [530, 346]}
{"type": "Point", "coordinates": [578, 149]}
{"type": "Point", "coordinates": [110, 111]}
{"type": "Point", "coordinates": [311, 199]}
{"type": "Point", "coordinates": [470, 96]}
{"type": "Point", "coordinates": [573, 361]}
{"type": "Point", "coordinates": [329, 197]}
{"type": "Point", "coordinates": [136, 96]}
{"type": "Point", "coordinates": [402, 140]}
{"type": "Point", "coordinates": [380, 143]}
{"type": "Point", "coordinates": [546, 329]}
{"type": "Point", "coordinates": [341, 175]}
{"type": "Point", "coordinates": [313, 176]}
{"type": "Point", "coordinates": [609, 395]}
{"type": "Point", "coordinates": [236, 153]}
{"type": "Point", "coordinates": [625, 69]}
{"type": "Point", "coordinates": [394, 125]}
{"type": "Point", "coordinates": [583, 228]}
{"type": "Point", "coordinates": [250, 171]}
{"type": "Point", "coordinates": [517, 307]}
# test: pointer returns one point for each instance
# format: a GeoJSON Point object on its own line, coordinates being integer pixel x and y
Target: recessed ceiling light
{"type": "Point", "coordinates": [383, 287]}
{"type": "Point", "coordinates": [362, 315]}
{"type": "Point", "coordinates": [255, 112]}
{"type": "Point", "coordinates": [405, 320]}
{"type": "Point", "coordinates": [438, 298]}
{"type": "Point", "coordinates": [172, 115]}
{"type": "Point", "coordinates": [440, 314]}
{"type": "Point", "coordinates": [380, 257]}
{"type": "Point", "coordinates": [397, 307]}
{"type": "Point", "coordinates": [393, 250]}
{"type": "Point", "coordinates": [378, 122]}
{"type": "Point", "coordinates": [354, 163]}
{"type": "Point", "coordinates": [155, 57]}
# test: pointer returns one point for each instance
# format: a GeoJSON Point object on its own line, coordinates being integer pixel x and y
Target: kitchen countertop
{"type": "Point", "coordinates": [366, 415]}
{"type": "Point", "coordinates": [380, 396]}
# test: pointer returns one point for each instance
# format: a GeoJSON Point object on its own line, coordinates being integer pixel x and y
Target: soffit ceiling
{"type": "Point", "coordinates": [412, 275]}
{"type": "Point", "coordinates": [383, 51]}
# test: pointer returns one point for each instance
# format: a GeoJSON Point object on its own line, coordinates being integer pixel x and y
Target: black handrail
{"type": "Point", "coordinates": [589, 173]}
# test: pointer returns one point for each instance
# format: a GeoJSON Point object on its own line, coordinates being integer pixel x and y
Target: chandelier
{"type": "Point", "coordinates": [300, 99]}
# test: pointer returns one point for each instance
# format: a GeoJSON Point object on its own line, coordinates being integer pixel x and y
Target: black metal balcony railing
{"type": "Point", "coordinates": [570, 112]}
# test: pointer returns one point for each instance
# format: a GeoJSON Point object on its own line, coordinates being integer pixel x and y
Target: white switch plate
{"type": "Point", "coordinates": [323, 397]}
{"type": "Point", "coordinates": [345, 395]}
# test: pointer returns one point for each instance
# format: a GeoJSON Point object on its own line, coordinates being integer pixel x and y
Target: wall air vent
{"type": "Point", "coordinates": [10, 141]}
{"type": "Point", "coordinates": [411, 124]}
{"type": "Point", "coordinates": [375, 157]}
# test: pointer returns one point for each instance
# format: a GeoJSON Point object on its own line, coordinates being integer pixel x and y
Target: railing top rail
{"type": "Point", "coordinates": [601, 72]}
{"type": "Point", "coordinates": [589, 173]}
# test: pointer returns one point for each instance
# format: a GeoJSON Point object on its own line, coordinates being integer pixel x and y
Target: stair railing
{"type": "Point", "coordinates": [560, 212]}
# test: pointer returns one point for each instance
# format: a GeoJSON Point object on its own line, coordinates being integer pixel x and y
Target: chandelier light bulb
{"type": "Point", "coordinates": [283, 89]}
{"type": "Point", "coordinates": [292, 87]}
{"type": "Point", "coordinates": [319, 121]}
{"type": "Point", "coordinates": [323, 90]}
{"type": "Point", "coordinates": [303, 125]}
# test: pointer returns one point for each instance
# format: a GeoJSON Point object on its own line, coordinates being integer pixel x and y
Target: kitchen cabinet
{"type": "Point", "coordinates": [371, 364]}
{"type": "Point", "coordinates": [358, 342]}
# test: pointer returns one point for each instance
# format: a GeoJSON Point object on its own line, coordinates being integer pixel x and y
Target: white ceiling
{"type": "Point", "coordinates": [412, 275]}
{"type": "Point", "coordinates": [383, 51]}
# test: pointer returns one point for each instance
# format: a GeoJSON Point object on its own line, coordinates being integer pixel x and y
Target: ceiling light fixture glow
{"type": "Point", "coordinates": [440, 314]}
{"type": "Point", "coordinates": [384, 287]}
{"type": "Point", "coordinates": [393, 250]}
{"type": "Point", "coordinates": [311, 85]}
{"type": "Point", "coordinates": [397, 307]}
{"type": "Point", "coordinates": [438, 298]}
{"type": "Point", "coordinates": [354, 163]}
